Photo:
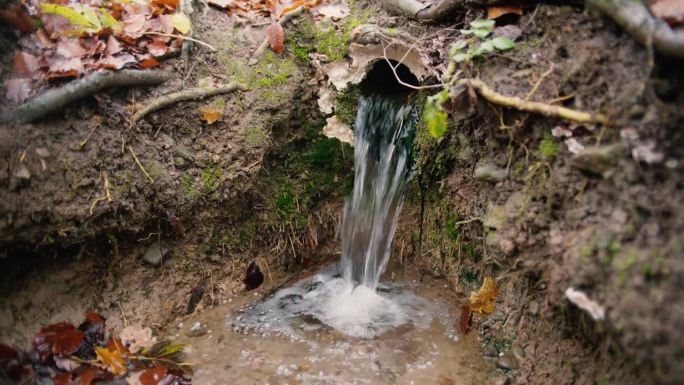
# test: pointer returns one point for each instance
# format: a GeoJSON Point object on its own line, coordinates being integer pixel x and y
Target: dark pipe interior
{"type": "Point", "coordinates": [381, 80]}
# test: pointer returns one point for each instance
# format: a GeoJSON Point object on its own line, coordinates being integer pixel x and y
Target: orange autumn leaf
{"type": "Point", "coordinates": [276, 37]}
{"type": "Point", "coordinates": [111, 360]}
{"type": "Point", "coordinates": [482, 301]}
{"type": "Point", "coordinates": [495, 12]}
{"type": "Point", "coordinates": [209, 114]}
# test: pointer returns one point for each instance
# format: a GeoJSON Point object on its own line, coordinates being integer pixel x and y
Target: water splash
{"type": "Point", "coordinates": [350, 301]}
{"type": "Point", "coordinates": [381, 147]}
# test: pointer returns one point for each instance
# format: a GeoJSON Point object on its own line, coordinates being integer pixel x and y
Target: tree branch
{"type": "Point", "coordinates": [55, 99]}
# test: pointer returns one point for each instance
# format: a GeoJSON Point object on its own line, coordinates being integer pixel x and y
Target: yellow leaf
{"type": "Point", "coordinates": [494, 12]}
{"type": "Point", "coordinates": [482, 301]}
{"type": "Point", "coordinates": [111, 360]}
{"type": "Point", "coordinates": [181, 22]}
{"type": "Point", "coordinates": [108, 20]}
{"type": "Point", "coordinates": [83, 16]}
{"type": "Point", "coordinates": [209, 114]}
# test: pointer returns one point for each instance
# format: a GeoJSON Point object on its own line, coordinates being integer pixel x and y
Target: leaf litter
{"type": "Point", "coordinates": [80, 37]}
{"type": "Point", "coordinates": [65, 355]}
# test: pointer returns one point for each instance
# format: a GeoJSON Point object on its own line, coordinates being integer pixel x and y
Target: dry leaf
{"type": "Point", "coordinates": [111, 360]}
{"type": "Point", "coordinates": [579, 298]}
{"type": "Point", "coordinates": [61, 339]}
{"type": "Point", "coordinates": [276, 37]}
{"type": "Point", "coordinates": [495, 12]}
{"type": "Point", "coordinates": [18, 89]}
{"type": "Point", "coordinates": [136, 337]}
{"type": "Point", "coordinates": [24, 64]}
{"type": "Point", "coordinates": [153, 376]}
{"type": "Point", "coordinates": [210, 114]}
{"type": "Point", "coordinates": [464, 320]}
{"type": "Point", "coordinates": [672, 11]}
{"type": "Point", "coordinates": [482, 301]}
{"type": "Point", "coordinates": [15, 16]}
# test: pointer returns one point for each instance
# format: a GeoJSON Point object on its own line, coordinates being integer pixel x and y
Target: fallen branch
{"type": "Point", "coordinates": [284, 19]}
{"type": "Point", "coordinates": [537, 107]}
{"type": "Point", "coordinates": [441, 11]}
{"type": "Point", "coordinates": [55, 99]}
{"type": "Point", "coordinates": [635, 18]}
{"type": "Point", "coordinates": [190, 94]}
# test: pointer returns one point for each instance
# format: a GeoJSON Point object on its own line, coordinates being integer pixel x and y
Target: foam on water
{"type": "Point", "coordinates": [329, 301]}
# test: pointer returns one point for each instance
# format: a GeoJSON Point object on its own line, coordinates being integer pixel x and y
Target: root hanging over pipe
{"type": "Point", "coordinates": [55, 99]}
{"type": "Point", "coordinates": [635, 18]}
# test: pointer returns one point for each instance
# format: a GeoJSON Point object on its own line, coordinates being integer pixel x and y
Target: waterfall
{"type": "Point", "coordinates": [381, 153]}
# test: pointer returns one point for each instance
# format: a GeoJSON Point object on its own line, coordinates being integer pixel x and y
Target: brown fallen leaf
{"type": "Point", "coordinates": [672, 11]}
{"type": "Point", "coordinates": [209, 114]}
{"type": "Point", "coordinates": [494, 12]}
{"type": "Point", "coordinates": [276, 37]}
{"type": "Point", "coordinates": [24, 64]}
{"type": "Point", "coordinates": [482, 301]}
{"type": "Point", "coordinates": [15, 16]}
{"type": "Point", "coordinates": [154, 375]}
{"type": "Point", "coordinates": [61, 339]}
{"type": "Point", "coordinates": [464, 319]}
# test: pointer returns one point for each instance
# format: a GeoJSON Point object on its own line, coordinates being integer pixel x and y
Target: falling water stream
{"type": "Point", "coordinates": [343, 325]}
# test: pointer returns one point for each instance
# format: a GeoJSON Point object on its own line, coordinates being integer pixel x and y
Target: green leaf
{"type": "Point", "coordinates": [460, 57]}
{"type": "Point", "coordinates": [487, 46]}
{"type": "Point", "coordinates": [73, 16]}
{"type": "Point", "coordinates": [482, 24]}
{"type": "Point", "coordinates": [481, 32]}
{"type": "Point", "coordinates": [108, 21]}
{"type": "Point", "coordinates": [434, 116]}
{"type": "Point", "coordinates": [181, 22]}
{"type": "Point", "coordinates": [503, 43]}
{"type": "Point", "coordinates": [459, 44]}
{"type": "Point", "coordinates": [466, 31]}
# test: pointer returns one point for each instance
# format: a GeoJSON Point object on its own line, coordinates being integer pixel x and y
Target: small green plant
{"type": "Point", "coordinates": [465, 50]}
{"type": "Point", "coordinates": [451, 228]}
{"type": "Point", "coordinates": [210, 178]}
{"type": "Point", "coordinates": [434, 116]}
{"type": "Point", "coordinates": [548, 148]}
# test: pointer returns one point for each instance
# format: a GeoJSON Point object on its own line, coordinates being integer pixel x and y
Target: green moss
{"type": "Point", "coordinates": [189, 188]}
{"type": "Point", "coordinates": [211, 178]}
{"type": "Point", "coordinates": [467, 277]}
{"type": "Point", "coordinates": [624, 266]}
{"type": "Point", "coordinates": [347, 104]}
{"type": "Point", "coordinates": [154, 168]}
{"type": "Point", "coordinates": [548, 148]}
{"type": "Point", "coordinates": [450, 227]}
{"type": "Point", "coordinates": [255, 136]}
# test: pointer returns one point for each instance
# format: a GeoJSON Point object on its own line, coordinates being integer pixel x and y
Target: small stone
{"type": "Point", "coordinates": [507, 362]}
{"type": "Point", "coordinates": [22, 172]}
{"type": "Point", "coordinates": [155, 254]}
{"type": "Point", "coordinates": [518, 352]}
{"type": "Point", "coordinates": [42, 152]}
{"type": "Point", "coordinates": [490, 173]}
{"type": "Point", "coordinates": [506, 246]}
{"type": "Point", "coordinates": [598, 160]}
{"type": "Point", "coordinates": [533, 307]}
{"type": "Point", "coordinates": [197, 330]}
{"type": "Point", "coordinates": [489, 351]}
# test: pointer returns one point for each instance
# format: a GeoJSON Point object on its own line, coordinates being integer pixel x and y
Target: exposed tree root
{"type": "Point", "coordinates": [55, 99]}
{"type": "Point", "coordinates": [635, 18]}
{"type": "Point", "coordinates": [284, 19]}
{"type": "Point", "coordinates": [140, 166]}
{"type": "Point", "coordinates": [441, 11]}
{"type": "Point", "coordinates": [537, 107]}
{"type": "Point", "coordinates": [190, 94]}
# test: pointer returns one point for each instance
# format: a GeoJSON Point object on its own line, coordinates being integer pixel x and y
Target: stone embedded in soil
{"type": "Point", "coordinates": [598, 160]}
{"type": "Point", "coordinates": [22, 172]}
{"type": "Point", "coordinates": [155, 253]}
{"type": "Point", "coordinates": [489, 172]}
{"type": "Point", "coordinates": [507, 362]}
{"type": "Point", "coordinates": [489, 351]}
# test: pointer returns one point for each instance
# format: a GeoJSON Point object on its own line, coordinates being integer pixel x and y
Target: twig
{"type": "Point", "coordinates": [140, 165]}
{"type": "Point", "coordinates": [182, 37]}
{"type": "Point", "coordinates": [84, 141]}
{"type": "Point", "coordinates": [55, 99]}
{"type": "Point", "coordinates": [476, 219]}
{"type": "Point", "coordinates": [284, 19]}
{"type": "Point", "coordinates": [538, 83]}
{"type": "Point", "coordinates": [107, 196]}
{"type": "Point", "coordinates": [189, 94]}
{"type": "Point", "coordinates": [403, 83]}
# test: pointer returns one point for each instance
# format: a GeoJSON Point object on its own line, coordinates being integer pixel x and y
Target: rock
{"type": "Point", "coordinates": [155, 253]}
{"type": "Point", "coordinates": [598, 160]}
{"type": "Point", "coordinates": [507, 362]}
{"type": "Point", "coordinates": [489, 172]}
{"type": "Point", "coordinates": [197, 330]}
{"type": "Point", "coordinates": [489, 351]}
{"type": "Point", "coordinates": [22, 172]}
{"type": "Point", "coordinates": [506, 246]}
{"type": "Point", "coordinates": [518, 352]}
{"type": "Point", "coordinates": [533, 308]}
{"type": "Point", "coordinates": [42, 152]}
